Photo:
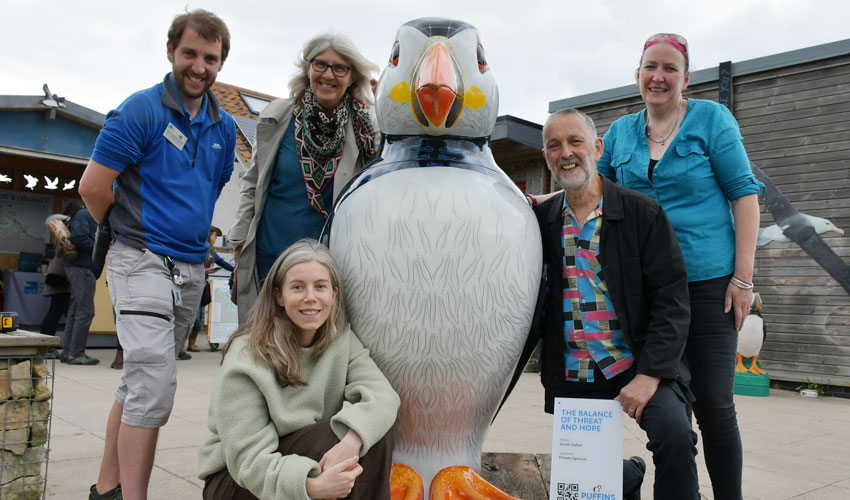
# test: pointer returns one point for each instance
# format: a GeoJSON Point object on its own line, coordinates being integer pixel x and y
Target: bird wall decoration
{"type": "Point", "coordinates": [32, 182]}
{"type": "Point", "coordinates": [440, 257]}
{"type": "Point", "coordinates": [776, 232]}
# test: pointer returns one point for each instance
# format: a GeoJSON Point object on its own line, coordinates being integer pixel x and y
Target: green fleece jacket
{"type": "Point", "coordinates": [249, 412]}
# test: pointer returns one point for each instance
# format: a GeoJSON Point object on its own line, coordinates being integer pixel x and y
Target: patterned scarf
{"type": "Point", "coordinates": [320, 141]}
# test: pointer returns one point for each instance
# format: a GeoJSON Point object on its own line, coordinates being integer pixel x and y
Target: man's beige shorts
{"type": "Point", "coordinates": [153, 317]}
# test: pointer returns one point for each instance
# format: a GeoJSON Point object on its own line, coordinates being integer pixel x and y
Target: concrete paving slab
{"type": "Point", "coordinates": [794, 446]}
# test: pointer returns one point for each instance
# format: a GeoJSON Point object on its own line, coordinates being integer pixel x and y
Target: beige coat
{"type": "Point", "coordinates": [272, 125]}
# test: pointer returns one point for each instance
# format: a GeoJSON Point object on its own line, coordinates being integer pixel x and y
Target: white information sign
{"type": "Point", "coordinates": [223, 317]}
{"type": "Point", "coordinates": [587, 450]}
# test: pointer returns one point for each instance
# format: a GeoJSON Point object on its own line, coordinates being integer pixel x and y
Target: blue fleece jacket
{"type": "Point", "coordinates": [166, 193]}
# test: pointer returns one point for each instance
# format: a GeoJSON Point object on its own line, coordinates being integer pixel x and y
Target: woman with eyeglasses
{"type": "Point", "coordinates": [308, 147]}
{"type": "Point", "coordinates": [689, 155]}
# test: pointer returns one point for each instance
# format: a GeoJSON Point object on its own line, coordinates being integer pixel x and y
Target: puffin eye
{"type": "Point", "coordinates": [482, 61]}
{"type": "Point", "coordinates": [394, 54]}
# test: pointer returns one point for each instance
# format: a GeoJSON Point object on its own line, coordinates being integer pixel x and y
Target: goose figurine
{"type": "Point", "coordinates": [440, 256]}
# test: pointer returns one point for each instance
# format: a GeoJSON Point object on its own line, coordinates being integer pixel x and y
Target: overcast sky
{"type": "Point", "coordinates": [96, 52]}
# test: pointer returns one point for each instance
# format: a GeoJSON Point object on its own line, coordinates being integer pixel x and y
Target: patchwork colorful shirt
{"type": "Point", "coordinates": [591, 329]}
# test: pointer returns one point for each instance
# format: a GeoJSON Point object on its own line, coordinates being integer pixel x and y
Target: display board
{"type": "Point", "coordinates": [223, 317]}
{"type": "Point", "coordinates": [22, 217]}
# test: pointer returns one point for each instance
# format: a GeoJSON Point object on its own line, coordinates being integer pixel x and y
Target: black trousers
{"type": "Point", "coordinates": [710, 353]}
{"type": "Point", "coordinates": [313, 441]}
{"type": "Point", "coordinates": [59, 303]}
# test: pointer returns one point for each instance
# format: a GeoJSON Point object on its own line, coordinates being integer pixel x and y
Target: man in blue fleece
{"type": "Point", "coordinates": [157, 168]}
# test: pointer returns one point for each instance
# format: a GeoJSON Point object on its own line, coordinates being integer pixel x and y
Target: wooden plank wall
{"type": "Point", "coordinates": [796, 127]}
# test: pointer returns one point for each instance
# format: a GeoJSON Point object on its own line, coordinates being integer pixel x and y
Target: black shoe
{"type": "Point", "coordinates": [113, 494]}
{"type": "Point", "coordinates": [84, 360]}
{"type": "Point", "coordinates": [641, 465]}
{"type": "Point", "coordinates": [53, 353]}
{"type": "Point", "coordinates": [64, 357]}
{"type": "Point", "coordinates": [118, 363]}
{"type": "Point", "coordinates": [183, 355]}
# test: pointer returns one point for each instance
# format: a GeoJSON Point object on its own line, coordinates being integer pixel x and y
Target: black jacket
{"type": "Point", "coordinates": [82, 228]}
{"type": "Point", "coordinates": [643, 268]}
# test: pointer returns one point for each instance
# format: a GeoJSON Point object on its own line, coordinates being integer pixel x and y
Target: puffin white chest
{"type": "Point", "coordinates": [440, 268]}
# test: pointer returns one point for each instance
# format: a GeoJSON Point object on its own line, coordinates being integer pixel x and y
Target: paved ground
{"type": "Point", "coordinates": [795, 447]}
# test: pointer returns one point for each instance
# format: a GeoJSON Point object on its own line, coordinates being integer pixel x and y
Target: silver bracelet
{"type": "Point", "coordinates": [743, 285]}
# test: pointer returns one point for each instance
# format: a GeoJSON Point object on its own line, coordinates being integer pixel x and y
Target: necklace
{"type": "Point", "coordinates": [663, 140]}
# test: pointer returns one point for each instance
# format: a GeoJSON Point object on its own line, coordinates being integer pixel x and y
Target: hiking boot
{"type": "Point", "coordinates": [84, 360]}
{"type": "Point", "coordinates": [183, 355]}
{"type": "Point", "coordinates": [113, 494]}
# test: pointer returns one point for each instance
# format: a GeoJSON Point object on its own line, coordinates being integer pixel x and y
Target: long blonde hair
{"type": "Point", "coordinates": [272, 335]}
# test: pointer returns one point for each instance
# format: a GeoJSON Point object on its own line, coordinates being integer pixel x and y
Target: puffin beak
{"type": "Point", "coordinates": [436, 84]}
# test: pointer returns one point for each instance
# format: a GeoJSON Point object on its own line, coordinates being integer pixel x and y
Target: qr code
{"type": "Point", "coordinates": [567, 491]}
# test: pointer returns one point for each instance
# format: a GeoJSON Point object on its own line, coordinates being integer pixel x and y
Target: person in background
{"type": "Point", "coordinates": [212, 264]}
{"type": "Point", "coordinates": [308, 147]}
{"type": "Point", "coordinates": [689, 155]}
{"type": "Point", "coordinates": [82, 284]}
{"type": "Point", "coordinates": [157, 169]}
{"type": "Point", "coordinates": [298, 408]}
{"type": "Point", "coordinates": [56, 283]}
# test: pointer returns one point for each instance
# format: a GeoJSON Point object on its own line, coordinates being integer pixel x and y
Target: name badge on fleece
{"type": "Point", "coordinates": [173, 135]}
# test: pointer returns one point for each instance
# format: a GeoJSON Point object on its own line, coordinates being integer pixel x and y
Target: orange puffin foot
{"type": "Point", "coordinates": [405, 483]}
{"type": "Point", "coordinates": [461, 482]}
{"type": "Point", "coordinates": [754, 367]}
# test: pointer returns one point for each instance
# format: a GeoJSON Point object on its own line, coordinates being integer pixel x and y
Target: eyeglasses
{"type": "Point", "coordinates": [320, 67]}
{"type": "Point", "coordinates": [677, 41]}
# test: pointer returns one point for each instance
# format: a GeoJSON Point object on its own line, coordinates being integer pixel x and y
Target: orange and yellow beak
{"type": "Point", "coordinates": [436, 85]}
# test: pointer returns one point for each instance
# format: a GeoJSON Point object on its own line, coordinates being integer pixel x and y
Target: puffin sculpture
{"type": "Point", "coordinates": [751, 338]}
{"type": "Point", "coordinates": [440, 256]}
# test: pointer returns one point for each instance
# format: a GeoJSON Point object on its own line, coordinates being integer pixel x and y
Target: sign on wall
{"type": "Point", "coordinates": [22, 217]}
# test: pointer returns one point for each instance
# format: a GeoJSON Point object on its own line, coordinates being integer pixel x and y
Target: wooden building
{"type": "Point", "coordinates": [794, 113]}
{"type": "Point", "coordinates": [517, 147]}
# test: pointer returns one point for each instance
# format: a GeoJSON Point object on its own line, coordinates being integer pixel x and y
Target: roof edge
{"type": "Point", "coordinates": [71, 110]}
{"type": "Point", "coordinates": [518, 130]}
{"type": "Point", "coordinates": [750, 66]}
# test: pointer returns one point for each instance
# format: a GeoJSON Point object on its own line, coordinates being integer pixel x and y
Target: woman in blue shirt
{"type": "Point", "coordinates": [308, 147]}
{"type": "Point", "coordinates": [689, 155]}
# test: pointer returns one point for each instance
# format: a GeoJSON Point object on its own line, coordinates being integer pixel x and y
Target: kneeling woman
{"type": "Point", "coordinates": [280, 430]}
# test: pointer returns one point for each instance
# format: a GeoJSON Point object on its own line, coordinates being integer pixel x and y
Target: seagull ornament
{"type": "Point", "coordinates": [777, 233]}
{"type": "Point", "coordinates": [803, 230]}
{"type": "Point", "coordinates": [440, 257]}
